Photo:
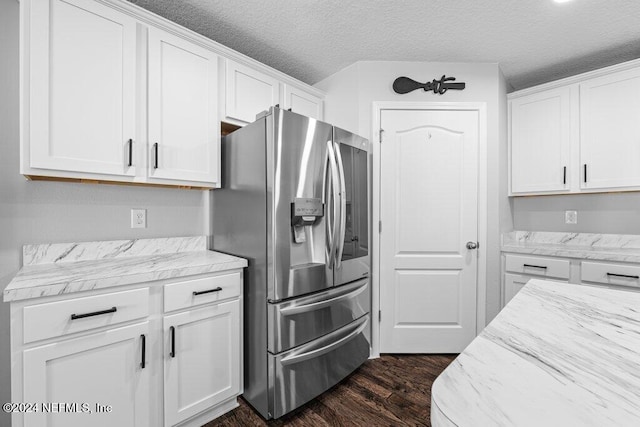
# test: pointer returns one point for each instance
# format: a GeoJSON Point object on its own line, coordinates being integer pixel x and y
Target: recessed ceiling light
{"type": "Point", "coordinates": [562, 1]}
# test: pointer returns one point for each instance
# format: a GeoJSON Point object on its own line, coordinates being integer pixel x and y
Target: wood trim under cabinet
{"type": "Point", "coordinates": [227, 128]}
{"type": "Point", "coordinates": [97, 181]}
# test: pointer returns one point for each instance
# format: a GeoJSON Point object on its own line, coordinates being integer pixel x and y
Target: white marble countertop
{"type": "Point", "coordinates": [75, 267]}
{"type": "Point", "coordinates": [557, 355]}
{"type": "Point", "coordinates": [604, 247]}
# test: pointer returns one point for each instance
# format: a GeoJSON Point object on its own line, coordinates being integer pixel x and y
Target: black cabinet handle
{"type": "Point", "coordinates": [144, 348]}
{"type": "Point", "coordinates": [564, 175]}
{"type": "Point", "coordinates": [218, 289]}
{"type": "Point", "coordinates": [534, 266]}
{"type": "Point", "coordinates": [173, 341]}
{"type": "Point", "coordinates": [95, 313]}
{"type": "Point", "coordinates": [623, 275]}
{"type": "Point", "coordinates": [155, 157]}
{"type": "Point", "coordinates": [130, 152]}
{"type": "Point", "coordinates": [585, 172]}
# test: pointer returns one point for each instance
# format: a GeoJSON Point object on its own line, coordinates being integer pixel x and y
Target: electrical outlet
{"type": "Point", "coordinates": [138, 218]}
{"type": "Point", "coordinates": [570, 217]}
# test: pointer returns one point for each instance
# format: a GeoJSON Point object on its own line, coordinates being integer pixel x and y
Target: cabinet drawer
{"type": "Point", "coordinates": [537, 266]}
{"type": "Point", "coordinates": [610, 274]}
{"type": "Point", "coordinates": [81, 314]}
{"type": "Point", "coordinates": [201, 291]}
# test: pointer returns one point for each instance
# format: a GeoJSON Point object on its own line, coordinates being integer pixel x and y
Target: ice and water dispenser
{"type": "Point", "coordinates": [304, 211]}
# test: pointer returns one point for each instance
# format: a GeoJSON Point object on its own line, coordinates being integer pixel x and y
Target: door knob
{"type": "Point", "coordinates": [472, 245]}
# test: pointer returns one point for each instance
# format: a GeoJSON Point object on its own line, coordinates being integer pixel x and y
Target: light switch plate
{"type": "Point", "coordinates": [570, 217]}
{"type": "Point", "coordinates": [138, 218]}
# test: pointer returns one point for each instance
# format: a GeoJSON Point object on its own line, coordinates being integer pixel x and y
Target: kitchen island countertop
{"type": "Point", "coordinates": [557, 355]}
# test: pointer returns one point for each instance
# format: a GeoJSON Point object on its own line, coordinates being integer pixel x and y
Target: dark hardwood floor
{"type": "Point", "coordinates": [394, 390]}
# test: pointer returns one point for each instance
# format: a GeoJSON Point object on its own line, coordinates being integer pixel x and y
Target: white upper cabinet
{"type": "Point", "coordinates": [540, 141]}
{"type": "Point", "coordinates": [610, 131]}
{"type": "Point", "coordinates": [80, 87]}
{"type": "Point", "coordinates": [183, 118]}
{"type": "Point", "coordinates": [302, 102]}
{"type": "Point", "coordinates": [113, 92]}
{"type": "Point", "coordinates": [589, 124]}
{"type": "Point", "coordinates": [248, 92]}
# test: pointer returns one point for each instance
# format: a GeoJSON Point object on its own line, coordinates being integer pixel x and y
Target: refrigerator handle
{"type": "Point", "coordinates": [358, 325]}
{"type": "Point", "coordinates": [331, 226]}
{"type": "Point", "coordinates": [327, 205]}
{"type": "Point", "coordinates": [343, 207]}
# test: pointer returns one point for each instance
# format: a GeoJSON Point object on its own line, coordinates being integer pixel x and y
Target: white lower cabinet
{"type": "Point", "coordinates": [518, 269]}
{"type": "Point", "coordinates": [116, 358]}
{"type": "Point", "coordinates": [201, 373]}
{"type": "Point", "coordinates": [98, 380]}
{"type": "Point", "coordinates": [513, 283]}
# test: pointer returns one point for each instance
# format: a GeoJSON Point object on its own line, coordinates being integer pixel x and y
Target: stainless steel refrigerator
{"type": "Point", "coordinates": [295, 203]}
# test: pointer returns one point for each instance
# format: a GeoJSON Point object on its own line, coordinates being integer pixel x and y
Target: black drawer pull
{"type": "Point", "coordinates": [144, 348]}
{"type": "Point", "coordinates": [585, 172]}
{"type": "Point", "coordinates": [130, 153]}
{"type": "Point", "coordinates": [534, 266]}
{"type": "Point", "coordinates": [218, 289]}
{"type": "Point", "coordinates": [173, 341]}
{"type": "Point", "coordinates": [623, 275]}
{"type": "Point", "coordinates": [155, 157]}
{"type": "Point", "coordinates": [95, 313]}
{"type": "Point", "coordinates": [564, 175]}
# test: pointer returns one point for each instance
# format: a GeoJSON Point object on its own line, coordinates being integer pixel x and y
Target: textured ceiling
{"type": "Point", "coordinates": [534, 41]}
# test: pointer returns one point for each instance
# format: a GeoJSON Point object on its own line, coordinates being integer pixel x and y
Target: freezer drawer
{"type": "Point", "coordinates": [301, 374]}
{"type": "Point", "coordinates": [304, 319]}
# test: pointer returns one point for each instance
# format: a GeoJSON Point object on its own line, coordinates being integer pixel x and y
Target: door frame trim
{"type": "Point", "coordinates": [481, 294]}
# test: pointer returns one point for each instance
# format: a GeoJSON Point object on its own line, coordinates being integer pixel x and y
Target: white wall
{"type": "Point", "coordinates": [39, 212]}
{"type": "Point", "coordinates": [341, 103]}
{"type": "Point", "coordinates": [505, 207]}
{"type": "Point", "coordinates": [615, 213]}
{"type": "Point", "coordinates": [484, 83]}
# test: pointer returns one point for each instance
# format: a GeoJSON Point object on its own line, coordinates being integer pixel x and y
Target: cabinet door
{"type": "Point", "coordinates": [540, 142]}
{"type": "Point", "coordinates": [248, 92]}
{"type": "Point", "coordinates": [202, 359]}
{"type": "Point", "coordinates": [81, 87]}
{"type": "Point", "coordinates": [183, 118]}
{"type": "Point", "coordinates": [103, 368]}
{"type": "Point", "coordinates": [610, 131]}
{"type": "Point", "coordinates": [513, 283]}
{"type": "Point", "coordinates": [302, 102]}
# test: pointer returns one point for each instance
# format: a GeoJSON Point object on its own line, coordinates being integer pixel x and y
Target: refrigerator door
{"type": "Point", "coordinates": [300, 320]}
{"type": "Point", "coordinates": [301, 374]}
{"type": "Point", "coordinates": [353, 260]}
{"type": "Point", "coordinates": [299, 174]}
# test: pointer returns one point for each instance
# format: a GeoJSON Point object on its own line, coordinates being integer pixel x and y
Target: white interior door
{"type": "Point", "coordinates": [428, 209]}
